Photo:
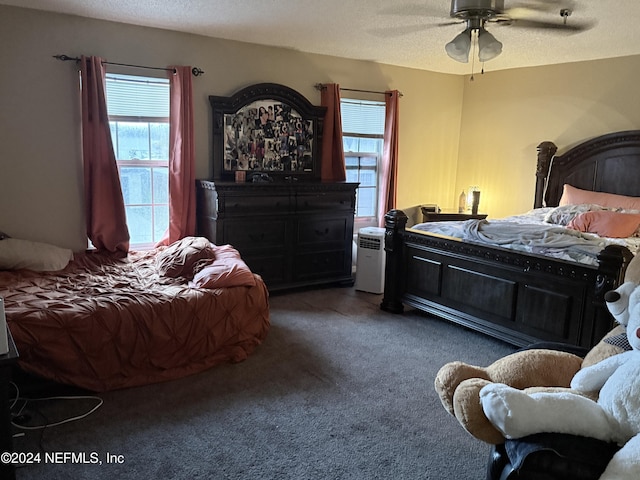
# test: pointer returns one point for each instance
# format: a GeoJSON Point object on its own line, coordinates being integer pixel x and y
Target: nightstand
{"type": "Point", "coordinates": [450, 217]}
{"type": "Point", "coordinates": [6, 432]}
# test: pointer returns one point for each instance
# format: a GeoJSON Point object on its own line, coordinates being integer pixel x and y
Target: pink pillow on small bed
{"type": "Point", "coordinates": [179, 258]}
{"type": "Point", "coordinates": [227, 270]}
{"type": "Point", "coordinates": [606, 223]}
{"type": "Point", "coordinates": [576, 196]}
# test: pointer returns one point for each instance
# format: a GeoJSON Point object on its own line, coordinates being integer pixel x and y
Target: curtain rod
{"type": "Point", "coordinates": [66, 58]}
{"type": "Point", "coordinates": [320, 86]}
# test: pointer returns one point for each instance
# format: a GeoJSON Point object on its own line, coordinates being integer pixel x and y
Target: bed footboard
{"type": "Point", "coordinates": [517, 297]}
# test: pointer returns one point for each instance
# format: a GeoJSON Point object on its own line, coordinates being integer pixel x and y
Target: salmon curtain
{"type": "Point", "coordinates": [182, 189]}
{"type": "Point", "coordinates": [389, 171]}
{"type": "Point", "coordinates": [104, 205]}
{"type": "Point", "coordinates": [333, 166]}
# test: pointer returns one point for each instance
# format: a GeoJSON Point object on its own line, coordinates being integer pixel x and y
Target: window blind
{"type": "Point", "coordinates": [134, 96]}
{"type": "Point", "coordinates": [362, 117]}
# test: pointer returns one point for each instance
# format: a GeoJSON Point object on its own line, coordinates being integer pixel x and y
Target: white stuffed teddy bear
{"type": "Point", "coordinates": [614, 417]}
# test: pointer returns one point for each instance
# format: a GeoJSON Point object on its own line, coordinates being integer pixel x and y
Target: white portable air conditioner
{"type": "Point", "coordinates": [370, 260]}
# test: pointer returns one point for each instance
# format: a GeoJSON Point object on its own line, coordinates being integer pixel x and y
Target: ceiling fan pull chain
{"type": "Point", "coordinates": [474, 42]}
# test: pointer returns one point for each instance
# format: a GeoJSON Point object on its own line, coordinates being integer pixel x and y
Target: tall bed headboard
{"type": "Point", "coordinates": [609, 163]}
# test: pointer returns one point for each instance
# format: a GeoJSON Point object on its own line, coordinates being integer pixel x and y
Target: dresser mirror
{"type": "Point", "coordinates": [268, 131]}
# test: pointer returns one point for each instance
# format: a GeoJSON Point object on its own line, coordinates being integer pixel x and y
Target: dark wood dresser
{"type": "Point", "coordinates": [292, 234]}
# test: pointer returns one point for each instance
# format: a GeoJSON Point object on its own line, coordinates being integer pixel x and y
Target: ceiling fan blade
{"type": "Point", "coordinates": [453, 22]}
{"type": "Point", "coordinates": [398, 31]}
{"type": "Point", "coordinates": [540, 6]}
{"type": "Point", "coordinates": [570, 27]}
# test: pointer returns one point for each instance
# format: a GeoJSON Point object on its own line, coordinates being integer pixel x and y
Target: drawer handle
{"type": "Point", "coordinates": [321, 233]}
{"type": "Point", "coordinates": [257, 237]}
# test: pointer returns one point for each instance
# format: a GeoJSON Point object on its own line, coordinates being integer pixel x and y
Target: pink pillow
{"type": "Point", "coordinates": [225, 251]}
{"type": "Point", "coordinates": [180, 258]}
{"type": "Point", "coordinates": [576, 196]}
{"type": "Point", "coordinates": [606, 223]}
{"type": "Point", "coordinates": [227, 270]}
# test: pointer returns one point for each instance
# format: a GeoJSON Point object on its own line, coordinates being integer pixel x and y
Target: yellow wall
{"type": "Point", "coordinates": [506, 114]}
{"type": "Point", "coordinates": [453, 133]}
{"type": "Point", "coordinates": [40, 161]}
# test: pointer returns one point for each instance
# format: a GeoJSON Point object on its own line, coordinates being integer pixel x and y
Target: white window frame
{"type": "Point", "coordinates": [147, 163]}
{"type": "Point", "coordinates": [359, 155]}
{"type": "Point", "coordinates": [366, 221]}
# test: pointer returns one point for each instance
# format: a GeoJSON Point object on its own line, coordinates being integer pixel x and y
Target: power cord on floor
{"type": "Point", "coordinates": [22, 411]}
{"type": "Point", "coordinates": [27, 401]}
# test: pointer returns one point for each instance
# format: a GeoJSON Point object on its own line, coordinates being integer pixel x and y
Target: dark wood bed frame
{"type": "Point", "coordinates": [513, 296]}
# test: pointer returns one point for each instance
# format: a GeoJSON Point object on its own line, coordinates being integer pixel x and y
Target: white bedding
{"type": "Point", "coordinates": [531, 232]}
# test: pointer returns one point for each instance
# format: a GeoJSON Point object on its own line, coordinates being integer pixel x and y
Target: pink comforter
{"type": "Point", "coordinates": [103, 324]}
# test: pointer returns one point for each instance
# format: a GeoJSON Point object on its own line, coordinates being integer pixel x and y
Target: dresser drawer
{"type": "Point", "coordinates": [321, 231]}
{"type": "Point", "coordinates": [330, 201]}
{"type": "Point", "coordinates": [245, 205]}
{"type": "Point", "coordinates": [316, 265]}
{"type": "Point", "coordinates": [272, 269]}
{"type": "Point", "coordinates": [247, 236]}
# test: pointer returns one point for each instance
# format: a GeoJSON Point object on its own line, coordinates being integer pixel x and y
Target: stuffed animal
{"type": "Point", "coordinates": [614, 417]}
{"type": "Point", "coordinates": [458, 384]}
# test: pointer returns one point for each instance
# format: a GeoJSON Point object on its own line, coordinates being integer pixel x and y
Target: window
{"type": "Point", "coordinates": [139, 120]}
{"type": "Point", "coordinates": [362, 136]}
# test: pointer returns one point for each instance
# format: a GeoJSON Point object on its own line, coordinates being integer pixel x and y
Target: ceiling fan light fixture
{"type": "Point", "coordinates": [459, 47]}
{"type": "Point", "coordinates": [488, 46]}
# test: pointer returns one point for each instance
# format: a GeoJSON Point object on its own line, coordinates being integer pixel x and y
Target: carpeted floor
{"type": "Point", "coordinates": [338, 390]}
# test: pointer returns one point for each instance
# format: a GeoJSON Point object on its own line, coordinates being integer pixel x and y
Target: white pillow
{"type": "Point", "coordinates": [563, 214]}
{"type": "Point", "coordinates": [41, 257]}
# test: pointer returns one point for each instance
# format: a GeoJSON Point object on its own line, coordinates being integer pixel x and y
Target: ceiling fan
{"type": "Point", "coordinates": [548, 15]}
{"type": "Point", "coordinates": [476, 14]}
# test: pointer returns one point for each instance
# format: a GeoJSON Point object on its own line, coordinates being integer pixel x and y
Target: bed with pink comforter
{"type": "Point", "coordinates": [103, 323]}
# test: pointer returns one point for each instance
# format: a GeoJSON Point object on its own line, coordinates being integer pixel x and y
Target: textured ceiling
{"type": "Point", "coordinates": [397, 32]}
